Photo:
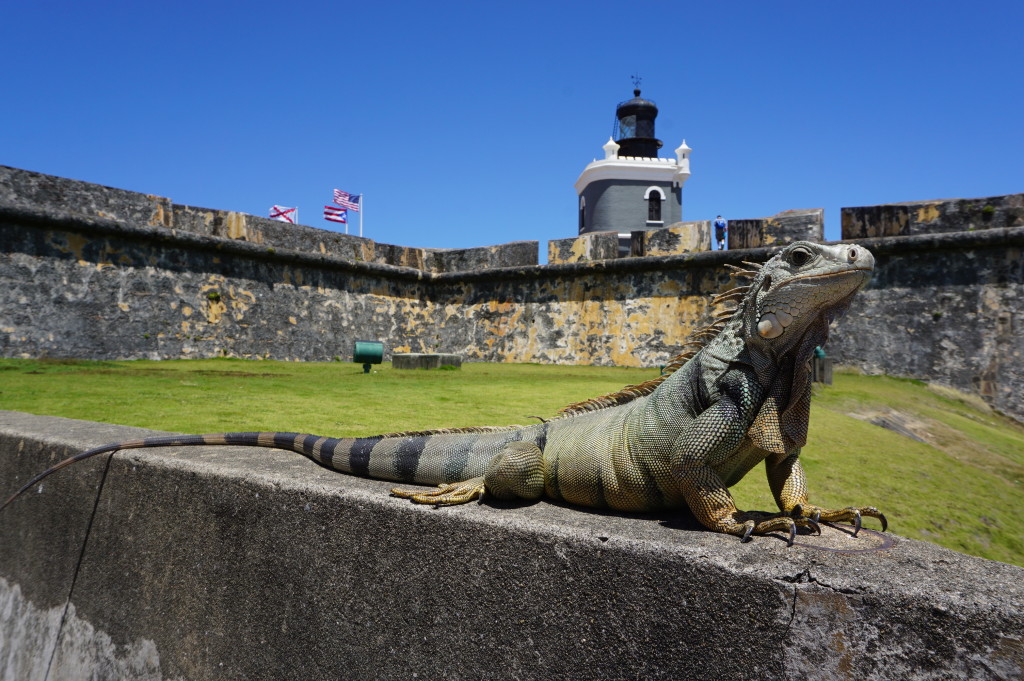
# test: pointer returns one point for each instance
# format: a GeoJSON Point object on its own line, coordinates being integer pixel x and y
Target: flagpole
{"type": "Point", "coordinates": [362, 209]}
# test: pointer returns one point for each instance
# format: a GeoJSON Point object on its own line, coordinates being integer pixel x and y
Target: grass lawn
{"type": "Point", "coordinates": [946, 470]}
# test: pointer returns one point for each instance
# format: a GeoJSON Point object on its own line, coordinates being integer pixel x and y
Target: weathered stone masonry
{"type": "Point", "coordinates": [90, 287]}
{"type": "Point", "coordinates": [89, 271]}
{"type": "Point", "coordinates": [944, 307]}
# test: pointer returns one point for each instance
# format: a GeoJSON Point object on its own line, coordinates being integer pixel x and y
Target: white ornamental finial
{"type": "Point", "coordinates": [611, 149]}
{"type": "Point", "coordinates": [682, 164]}
{"type": "Point", "coordinates": [681, 152]}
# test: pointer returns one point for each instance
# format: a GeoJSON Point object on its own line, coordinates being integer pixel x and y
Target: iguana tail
{"type": "Point", "coordinates": [422, 457]}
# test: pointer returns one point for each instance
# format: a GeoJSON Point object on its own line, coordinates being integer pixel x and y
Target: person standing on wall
{"type": "Point", "coordinates": [720, 230]}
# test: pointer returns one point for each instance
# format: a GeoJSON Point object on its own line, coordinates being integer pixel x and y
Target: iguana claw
{"type": "Point", "coordinates": [803, 522]}
{"type": "Point", "coordinates": [763, 523]}
{"type": "Point", "coordinates": [850, 514]}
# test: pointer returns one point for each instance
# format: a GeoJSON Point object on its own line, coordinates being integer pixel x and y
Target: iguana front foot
{"type": "Point", "coordinates": [754, 522]}
{"type": "Point", "coordinates": [448, 494]}
{"type": "Point", "coordinates": [849, 514]}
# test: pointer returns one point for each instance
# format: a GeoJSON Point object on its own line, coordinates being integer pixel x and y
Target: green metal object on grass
{"type": "Point", "coordinates": [367, 353]}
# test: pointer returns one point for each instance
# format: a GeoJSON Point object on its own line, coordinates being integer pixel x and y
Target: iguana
{"type": "Point", "coordinates": [740, 395]}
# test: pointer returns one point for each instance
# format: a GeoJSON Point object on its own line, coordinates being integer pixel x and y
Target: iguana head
{"type": "Point", "coordinates": [785, 310]}
{"type": "Point", "coordinates": [802, 288]}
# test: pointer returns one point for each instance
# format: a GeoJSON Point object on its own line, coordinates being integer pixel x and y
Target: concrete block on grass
{"type": "Point", "coordinates": [425, 360]}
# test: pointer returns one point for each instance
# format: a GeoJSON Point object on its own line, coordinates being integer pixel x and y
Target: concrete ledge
{"type": "Point", "coordinates": [425, 360]}
{"type": "Point", "coordinates": [225, 562]}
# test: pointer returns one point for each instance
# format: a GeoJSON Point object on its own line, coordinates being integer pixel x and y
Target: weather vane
{"type": "Point", "coordinates": [636, 81]}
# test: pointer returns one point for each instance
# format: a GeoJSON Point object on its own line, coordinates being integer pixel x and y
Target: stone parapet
{"type": "Point", "coordinates": [676, 239]}
{"type": "Point", "coordinates": [26, 189]}
{"type": "Point", "coordinates": [778, 230]}
{"type": "Point", "coordinates": [694, 237]}
{"type": "Point", "coordinates": [512, 254]}
{"type": "Point", "coordinates": [932, 217]}
{"type": "Point", "coordinates": [584, 248]}
{"type": "Point", "coordinates": [56, 195]}
{"type": "Point", "coordinates": [227, 562]}
{"type": "Point", "coordinates": [682, 237]}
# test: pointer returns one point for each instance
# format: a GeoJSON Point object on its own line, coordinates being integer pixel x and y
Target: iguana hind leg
{"type": "Point", "coordinates": [448, 494]}
{"type": "Point", "coordinates": [517, 471]}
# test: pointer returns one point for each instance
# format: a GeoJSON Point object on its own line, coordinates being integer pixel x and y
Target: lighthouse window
{"type": "Point", "coordinates": [654, 207]}
{"type": "Point", "coordinates": [654, 197]}
{"type": "Point", "coordinates": [627, 127]}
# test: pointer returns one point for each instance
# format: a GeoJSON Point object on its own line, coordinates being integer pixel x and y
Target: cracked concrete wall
{"type": "Point", "coordinates": [228, 562]}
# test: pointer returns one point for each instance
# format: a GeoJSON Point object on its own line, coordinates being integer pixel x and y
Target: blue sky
{"type": "Point", "coordinates": [467, 124]}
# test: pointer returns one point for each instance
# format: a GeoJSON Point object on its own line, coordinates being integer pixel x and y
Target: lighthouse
{"type": "Point", "coordinates": [632, 188]}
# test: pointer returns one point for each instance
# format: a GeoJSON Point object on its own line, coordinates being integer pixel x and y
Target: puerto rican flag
{"type": "Point", "coordinates": [335, 214]}
{"type": "Point", "coordinates": [284, 214]}
{"type": "Point", "coordinates": [346, 200]}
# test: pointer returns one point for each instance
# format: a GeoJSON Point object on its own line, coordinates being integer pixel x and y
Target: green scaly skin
{"type": "Point", "coordinates": [743, 398]}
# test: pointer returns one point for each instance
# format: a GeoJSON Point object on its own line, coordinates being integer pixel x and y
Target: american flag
{"type": "Point", "coordinates": [347, 200]}
{"type": "Point", "coordinates": [335, 214]}
{"type": "Point", "coordinates": [284, 214]}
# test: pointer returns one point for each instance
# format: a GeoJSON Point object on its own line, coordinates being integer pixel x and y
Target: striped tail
{"type": "Point", "coordinates": [318, 448]}
{"type": "Point", "coordinates": [422, 457]}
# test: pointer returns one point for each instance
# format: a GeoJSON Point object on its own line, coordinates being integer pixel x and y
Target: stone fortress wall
{"type": "Point", "coordinates": [946, 302]}
{"type": "Point", "coordinates": [91, 271]}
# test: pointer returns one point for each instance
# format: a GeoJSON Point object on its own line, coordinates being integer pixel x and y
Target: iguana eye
{"type": "Point", "coordinates": [800, 256]}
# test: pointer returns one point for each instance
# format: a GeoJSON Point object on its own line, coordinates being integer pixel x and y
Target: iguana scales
{"type": "Point", "coordinates": [739, 396]}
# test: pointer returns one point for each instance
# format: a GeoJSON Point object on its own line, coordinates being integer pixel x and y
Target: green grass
{"type": "Point", "coordinates": [961, 488]}
{"type": "Point", "coordinates": [335, 399]}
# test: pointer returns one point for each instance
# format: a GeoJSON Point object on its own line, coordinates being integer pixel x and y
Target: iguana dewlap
{"type": "Point", "coordinates": [679, 440]}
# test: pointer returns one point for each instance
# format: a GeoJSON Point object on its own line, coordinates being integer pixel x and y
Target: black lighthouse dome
{"type": "Point", "coordinates": [635, 127]}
